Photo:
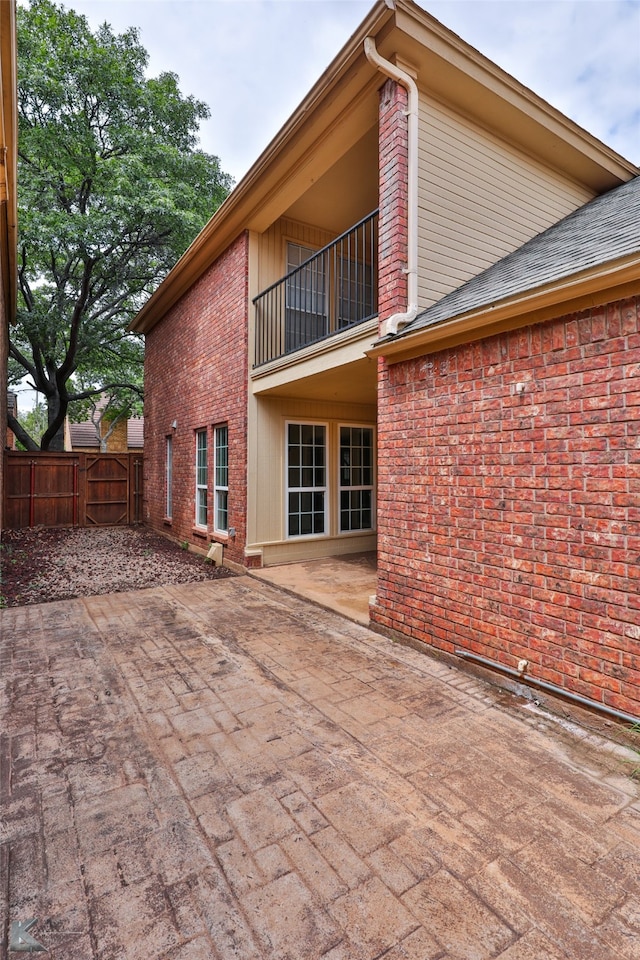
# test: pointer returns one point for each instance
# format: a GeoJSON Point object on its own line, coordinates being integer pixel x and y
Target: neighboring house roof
{"type": "Point", "coordinates": [84, 434]}
{"type": "Point", "coordinates": [135, 432]}
{"type": "Point", "coordinates": [603, 231]}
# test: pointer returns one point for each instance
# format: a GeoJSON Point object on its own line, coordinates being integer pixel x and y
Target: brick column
{"type": "Point", "coordinates": [393, 186]}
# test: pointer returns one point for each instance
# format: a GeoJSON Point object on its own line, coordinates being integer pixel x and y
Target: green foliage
{"type": "Point", "coordinates": [112, 189]}
{"type": "Point", "coordinates": [106, 411]}
{"type": "Point", "coordinates": [33, 421]}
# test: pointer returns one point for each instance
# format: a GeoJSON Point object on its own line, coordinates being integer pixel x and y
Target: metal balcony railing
{"type": "Point", "coordinates": [334, 289]}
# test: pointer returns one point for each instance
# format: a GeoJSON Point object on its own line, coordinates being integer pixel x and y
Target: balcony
{"type": "Point", "coordinates": [328, 292]}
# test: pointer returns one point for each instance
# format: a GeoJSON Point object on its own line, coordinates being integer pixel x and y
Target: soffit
{"type": "Point", "coordinates": [355, 382]}
{"type": "Point", "coordinates": [338, 198]}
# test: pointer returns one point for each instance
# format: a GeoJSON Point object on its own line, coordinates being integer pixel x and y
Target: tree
{"type": "Point", "coordinates": [112, 189]}
{"type": "Point", "coordinates": [105, 412]}
{"type": "Point", "coordinates": [34, 421]}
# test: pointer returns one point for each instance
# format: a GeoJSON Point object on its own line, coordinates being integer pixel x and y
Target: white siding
{"type": "Point", "coordinates": [479, 199]}
{"type": "Point", "coordinates": [273, 247]}
{"type": "Point", "coordinates": [268, 455]}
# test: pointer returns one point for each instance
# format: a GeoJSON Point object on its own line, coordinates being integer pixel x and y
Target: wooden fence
{"type": "Point", "coordinates": [72, 489]}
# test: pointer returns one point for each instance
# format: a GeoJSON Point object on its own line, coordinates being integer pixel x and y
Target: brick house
{"type": "Point", "coordinates": [297, 362]}
{"type": "Point", "coordinates": [12, 410]}
{"type": "Point", "coordinates": [509, 446]}
{"type": "Point", "coordinates": [126, 437]}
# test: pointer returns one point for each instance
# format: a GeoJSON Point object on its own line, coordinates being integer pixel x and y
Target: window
{"type": "Point", "coordinates": [221, 479]}
{"type": "Point", "coordinates": [201, 478]}
{"type": "Point", "coordinates": [168, 477]}
{"type": "Point", "coordinates": [356, 478]}
{"type": "Point", "coordinates": [306, 479]}
{"type": "Point", "coordinates": [306, 311]}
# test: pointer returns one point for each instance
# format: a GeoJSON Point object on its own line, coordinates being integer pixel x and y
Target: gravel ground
{"type": "Point", "coordinates": [41, 564]}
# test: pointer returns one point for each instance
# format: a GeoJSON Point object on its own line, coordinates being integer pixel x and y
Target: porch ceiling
{"type": "Point", "coordinates": [346, 192]}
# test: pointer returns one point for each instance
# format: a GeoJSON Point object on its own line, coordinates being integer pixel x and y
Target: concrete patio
{"type": "Point", "coordinates": [343, 584]}
{"type": "Point", "coordinates": [222, 770]}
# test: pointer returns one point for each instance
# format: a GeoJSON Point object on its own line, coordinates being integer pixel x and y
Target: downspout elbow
{"type": "Point", "coordinates": [393, 324]}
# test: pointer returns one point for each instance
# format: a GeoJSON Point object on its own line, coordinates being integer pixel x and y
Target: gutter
{"type": "Point", "coordinates": [615, 280]}
{"type": "Point", "coordinates": [392, 325]}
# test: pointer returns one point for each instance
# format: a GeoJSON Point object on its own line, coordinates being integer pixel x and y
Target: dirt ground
{"type": "Point", "coordinates": [41, 564]}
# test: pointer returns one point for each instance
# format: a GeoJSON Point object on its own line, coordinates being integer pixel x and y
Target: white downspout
{"type": "Point", "coordinates": [398, 320]}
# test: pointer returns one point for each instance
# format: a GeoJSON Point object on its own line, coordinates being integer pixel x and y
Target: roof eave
{"type": "Point", "coordinates": [605, 284]}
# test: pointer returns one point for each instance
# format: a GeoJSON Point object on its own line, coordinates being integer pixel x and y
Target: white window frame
{"type": "Point", "coordinates": [220, 490]}
{"type": "Point", "coordinates": [354, 487]}
{"type": "Point", "coordinates": [202, 480]}
{"type": "Point", "coordinates": [314, 489]}
{"type": "Point", "coordinates": [168, 477]}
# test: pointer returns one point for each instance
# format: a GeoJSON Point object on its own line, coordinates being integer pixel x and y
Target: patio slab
{"type": "Point", "coordinates": [221, 770]}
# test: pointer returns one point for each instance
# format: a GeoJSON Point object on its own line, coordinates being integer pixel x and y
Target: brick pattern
{"type": "Point", "coordinates": [509, 471]}
{"type": "Point", "coordinates": [196, 360]}
{"type": "Point", "coordinates": [393, 186]}
{"type": "Point", "coordinates": [216, 771]}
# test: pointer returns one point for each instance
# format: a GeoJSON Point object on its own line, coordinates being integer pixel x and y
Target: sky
{"type": "Point", "coordinates": [253, 61]}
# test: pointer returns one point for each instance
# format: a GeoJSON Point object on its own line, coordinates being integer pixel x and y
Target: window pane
{"type": "Point", "coordinates": [221, 478]}
{"type": "Point", "coordinates": [201, 478]}
{"type": "Point", "coordinates": [222, 522]}
{"type": "Point", "coordinates": [356, 478]}
{"type": "Point", "coordinates": [306, 478]}
{"type": "Point", "coordinates": [294, 454]}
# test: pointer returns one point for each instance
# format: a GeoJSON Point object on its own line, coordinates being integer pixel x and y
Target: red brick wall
{"type": "Point", "coordinates": [510, 521]}
{"type": "Point", "coordinates": [196, 373]}
{"type": "Point", "coordinates": [393, 181]}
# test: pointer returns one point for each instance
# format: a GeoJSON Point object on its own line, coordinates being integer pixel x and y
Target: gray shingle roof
{"type": "Point", "coordinates": [602, 231]}
{"type": "Point", "coordinates": [83, 435]}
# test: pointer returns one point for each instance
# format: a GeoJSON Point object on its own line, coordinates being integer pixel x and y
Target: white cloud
{"type": "Point", "coordinates": [583, 57]}
{"type": "Point", "coordinates": [253, 61]}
